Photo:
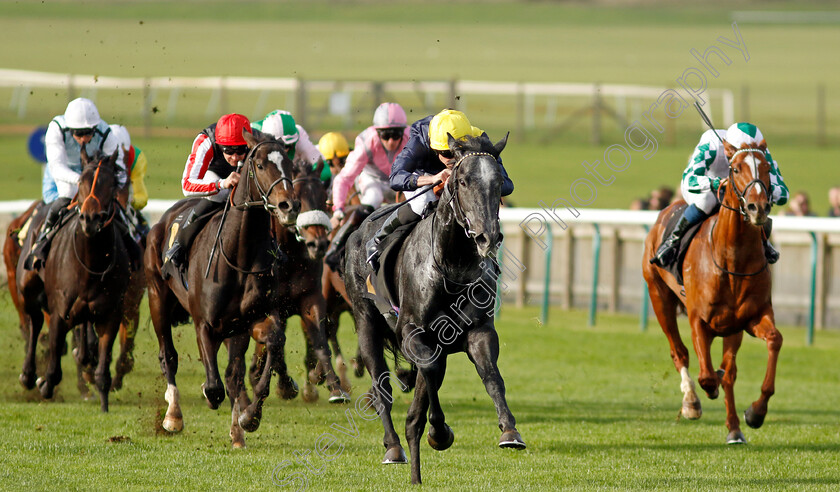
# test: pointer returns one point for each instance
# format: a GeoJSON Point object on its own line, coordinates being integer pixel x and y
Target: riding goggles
{"type": "Point", "coordinates": [235, 149]}
{"type": "Point", "coordinates": [82, 132]}
{"type": "Point", "coordinates": [390, 133]}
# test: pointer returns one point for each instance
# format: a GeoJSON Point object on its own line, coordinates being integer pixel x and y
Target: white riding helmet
{"type": "Point", "coordinates": [81, 113]}
{"type": "Point", "coordinates": [281, 125]}
{"type": "Point", "coordinates": [121, 134]}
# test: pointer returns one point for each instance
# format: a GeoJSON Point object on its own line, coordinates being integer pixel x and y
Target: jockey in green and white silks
{"type": "Point", "coordinates": [706, 168]}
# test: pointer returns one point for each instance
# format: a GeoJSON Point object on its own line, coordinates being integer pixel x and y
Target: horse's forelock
{"type": "Point", "coordinates": [470, 144]}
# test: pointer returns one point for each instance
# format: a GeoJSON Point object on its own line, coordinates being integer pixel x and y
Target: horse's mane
{"type": "Point", "coordinates": [481, 143]}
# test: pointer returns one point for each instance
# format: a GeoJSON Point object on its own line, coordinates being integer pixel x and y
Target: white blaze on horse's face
{"type": "Point", "coordinates": [277, 158]}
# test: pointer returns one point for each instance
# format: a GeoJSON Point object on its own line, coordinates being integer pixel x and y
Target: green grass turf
{"type": "Point", "coordinates": [597, 407]}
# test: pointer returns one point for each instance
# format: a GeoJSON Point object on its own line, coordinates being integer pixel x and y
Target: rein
{"type": "Point", "coordinates": [248, 204]}
{"type": "Point", "coordinates": [738, 274]}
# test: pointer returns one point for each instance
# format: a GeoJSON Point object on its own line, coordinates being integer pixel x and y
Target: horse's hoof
{"type": "Point", "coordinates": [435, 440]}
{"type": "Point", "coordinates": [358, 368]}
{"type": "Point", "coordinates": [45, 389]}
{"type": "Point", "coordinates": [310, 393]}
{"type": "Point", "coordinates": [736, 437]}
{"type": "Point", "coordinates": [288, 390]}
{"type": "Point", "coordinates": [214, 396]}
{"type": "Point", "coordinates": [395, 456]}
{"type": "Point", "coordinates": [692, 409]}
{"type": "Point", "coordinates": [238, 445]}
{"type": "Point", "coordinates": [250, 423]}
{"type": "Point", "coordinates": [339, 396]}
{"type": "Point", "coordinates": [28, 381]}
{"type": "Point", "coordinates": [752, 418]}
{"type": "Point", "coordinates": [173, 425]}
{"type": "Point", "coordinates": [511, 439]}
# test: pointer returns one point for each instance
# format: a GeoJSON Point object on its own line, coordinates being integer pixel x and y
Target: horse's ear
{"type": "Point", "coordinates": [500, 146]}
{"type": "Point", "coordinates": [729, 149]}
{"type": "Point", "coordinates": [84, 157]}
{"type": "Point", "coordinates": [453, 144]}
{"type": "Point", "coordinates": [113, 159]}
{"type": "Point", "coordinates": [249, 138]}
{"type": "Point", "coordinates": [319, 168]}
{"type": "Point", "coordinates": [763, 145]}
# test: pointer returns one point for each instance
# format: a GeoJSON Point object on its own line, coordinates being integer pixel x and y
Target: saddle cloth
{"type": "Point", "coordinates": [381, 284]}
{"type": "Point", "coordinates": [675, 268]}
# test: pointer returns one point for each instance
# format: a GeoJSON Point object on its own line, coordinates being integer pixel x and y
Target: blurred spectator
{"type": "Point", "coordinates": [834, 202]}
{"type": "Point", "coordinates": [639, 204]}
{"type": "Point", "coordinates": [800, 206]}
{"type": "Point", "coordinates": [661, 198]}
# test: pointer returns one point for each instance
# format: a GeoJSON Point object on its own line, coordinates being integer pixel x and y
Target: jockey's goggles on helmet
{"type": "Point", "coordinates": [82, 132]}
{"type": "Point", "coordinates": [446, 154]}
{"type": "Point", "coordinates": [235, 149]}
{"type": "Point", "coordinates": [390, 133]}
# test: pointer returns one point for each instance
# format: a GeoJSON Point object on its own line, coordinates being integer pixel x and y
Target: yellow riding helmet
{"type": "Point", "coordinates": [333, 144]}
{"type": "Point", "coordinates": [454, 123]}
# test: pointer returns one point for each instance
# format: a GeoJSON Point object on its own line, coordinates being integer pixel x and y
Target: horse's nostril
{"type": "Point", "coordinates": [767, 208]}
{"type": "Point", "coordinates": [752, 208]}
{"type": "Point", "coordinates": [481, 239]}
{"type": "Point", "coordinates": [284, 206]}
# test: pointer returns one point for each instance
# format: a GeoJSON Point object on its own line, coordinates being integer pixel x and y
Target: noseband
{"type": "Point", "coordinates": [263, 193]}
{"type": "Point", "coordinates": [742, 195]}
{"type": "Point", "coordinates": [310, 217]}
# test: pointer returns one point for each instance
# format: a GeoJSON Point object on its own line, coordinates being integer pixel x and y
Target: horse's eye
{"type": "Point", "coordinates": [259, 166]}
{"type": "Point", "coordinates": [462, 182]}
{"type": "Point", "coordinates": [735, 171]}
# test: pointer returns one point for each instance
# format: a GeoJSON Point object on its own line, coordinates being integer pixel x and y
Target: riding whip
{"type": "Point", "coordinates": [707, 120]}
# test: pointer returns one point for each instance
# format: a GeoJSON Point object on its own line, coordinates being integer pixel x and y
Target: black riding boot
{"type": "Point", "coordinates": [769, 251]}
{"type": "Point", "coordinates": [401, 216]}
{"type": "Point", "coordinates": [668, 250]}
{"type": "Point", "coordinates": [176, 256]}
{"type": "Point", "coordinates": [41, 246]}
{"type": "Point", "coordinates": [354, 220]}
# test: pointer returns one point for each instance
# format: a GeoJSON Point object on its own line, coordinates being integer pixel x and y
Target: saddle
{"type": "Point", "coordinates": [381, 284]}
{"type": "Point", "coordinates": [670, 224]}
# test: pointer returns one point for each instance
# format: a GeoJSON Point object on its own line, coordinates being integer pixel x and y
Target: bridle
{"type": "Point", "coordinates": [78, 209]}
{"type": "Point", "coordinates": [742, 201]}
{"type": "Point", "coordinates": [741, 195]}
{"type": "Point", "coordinates": [249, 175]}
{"type": "Point", "coordinates": [460, 218]}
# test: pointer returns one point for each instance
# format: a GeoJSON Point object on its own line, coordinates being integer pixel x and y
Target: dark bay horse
{"type": "Point", "coordinates": [33, 218]}
{"type": "Point", "coordinates": [241, 289]}
{"type": "Point", "coordinates": [444, 262]}
{"type": "Point", "coordinates": [83, 283]}
{"type": "Point", "coordinates": [300, 291]}
{"type": "Point", "coordinates": [727, 289]}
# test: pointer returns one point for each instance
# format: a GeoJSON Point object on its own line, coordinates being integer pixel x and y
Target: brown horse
{"type": "Point", "coordinates": [131, 306]}
{"type": "Point", "coordinates": [242, 287]}
{"type": "Point", "coordinates": [727, 289]}
{"type": "Point", "coordinates": [84, 281]}
{"type": "Point", "coordinates": [300, 291]}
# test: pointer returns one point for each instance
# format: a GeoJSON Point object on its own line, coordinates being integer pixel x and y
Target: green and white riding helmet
{"type": "Point", "coordinates": [281, 125]}
{"type": "Point", "coordinates": [743, 133]}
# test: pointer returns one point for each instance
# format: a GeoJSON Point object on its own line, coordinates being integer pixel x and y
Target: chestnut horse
{"type": "Point", "coordinates": [83, 283]}
{"type": "Point", "coordinates": [727, 289]}
{"type": "Point", "coordinates": [300, 291]}
{"type": "Point", "coordinates": [242, 287]}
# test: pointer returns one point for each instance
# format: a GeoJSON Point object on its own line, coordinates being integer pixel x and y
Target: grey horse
{"type": "Point", "coordinates": [445, 287]}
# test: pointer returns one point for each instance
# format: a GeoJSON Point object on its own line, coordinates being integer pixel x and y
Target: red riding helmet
{"type": "Point", "coordinates": [229, 129]}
